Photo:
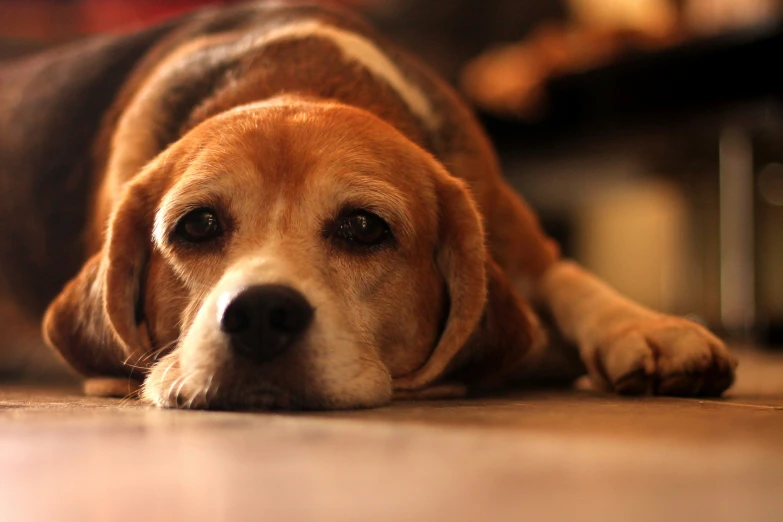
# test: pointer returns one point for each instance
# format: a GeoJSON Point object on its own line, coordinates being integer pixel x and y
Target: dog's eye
{"type": "Point", "coordinates": [198, 226]}
{"type": "Point", "coordinates": [362, 228]}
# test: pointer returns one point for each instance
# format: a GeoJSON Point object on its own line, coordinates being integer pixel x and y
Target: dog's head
{"type": "Point", "coordinates": [294, 255]}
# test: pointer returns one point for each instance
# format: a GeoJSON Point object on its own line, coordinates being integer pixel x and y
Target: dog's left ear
{"type": "Point", "coordinates": [489, 329]}
{"type": "Point", "coordinates": [96, 322]}
{"type": "Point", "coordinates": [503, 340]}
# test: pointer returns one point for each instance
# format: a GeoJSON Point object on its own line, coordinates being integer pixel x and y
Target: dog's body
{"type": "Point", "coordinates": [283, 210]}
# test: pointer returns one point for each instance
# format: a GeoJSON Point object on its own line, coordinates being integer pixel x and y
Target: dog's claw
{"type": "Point", "coordinates": [680, 384]}
{"type": "Point", "coordinates": [636, 382]}
{"type": "Point", "coordinates": [717, 382]}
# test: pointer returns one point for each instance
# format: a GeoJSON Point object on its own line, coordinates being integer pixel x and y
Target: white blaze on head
{"type": "Point", "coordinates": [361, 50]}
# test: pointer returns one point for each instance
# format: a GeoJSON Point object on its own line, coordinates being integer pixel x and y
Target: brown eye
{"type": "Point", "coordinates": [199, 226]}
{"type": "Point", "coordinates": [362, 228]}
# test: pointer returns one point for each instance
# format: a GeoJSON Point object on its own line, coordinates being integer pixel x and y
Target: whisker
{"type": "Point", "coordinates": [169, 394]}
{"type": "Point", "coordinates": [154, 354]}
{"type": "Point", "coordinates": [214, 394]}
{"type": "Point", "coordinates": [195, 393]}
{"type": "Point", "coordinates": [166, 371]}
{"type": "Point", "coordinates": [130, 396]}
{"type": "Point", "coordinates": [207, 387]}
{"type": "Point", "coordinates": [129, 357]}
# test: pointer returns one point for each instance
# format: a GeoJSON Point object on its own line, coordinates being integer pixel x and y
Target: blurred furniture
{"type": "Point", "coordinates": [716, 101]}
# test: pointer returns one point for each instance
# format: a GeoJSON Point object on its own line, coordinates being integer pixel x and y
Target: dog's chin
{"type": "Point", "coordinates": [227, 385]}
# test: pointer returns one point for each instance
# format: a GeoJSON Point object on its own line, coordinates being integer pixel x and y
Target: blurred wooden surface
{"type": "Point", "coordinates": [530, 456]}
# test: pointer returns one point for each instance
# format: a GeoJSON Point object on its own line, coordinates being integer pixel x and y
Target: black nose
{"type": "Point", "coordinates": [263, 321]}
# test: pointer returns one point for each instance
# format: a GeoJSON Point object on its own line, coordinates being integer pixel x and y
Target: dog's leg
{"type": "Point", "coordinates": [631, 349]}
{"type": "Point", "coordinates": [626, 348]}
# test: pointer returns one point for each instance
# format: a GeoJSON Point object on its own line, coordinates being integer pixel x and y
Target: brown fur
{"type": "Point", "coordinates": [277, 138]}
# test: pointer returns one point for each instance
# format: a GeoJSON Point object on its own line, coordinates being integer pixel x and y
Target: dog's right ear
{"type": "Point", "coordinates": [97, 322]}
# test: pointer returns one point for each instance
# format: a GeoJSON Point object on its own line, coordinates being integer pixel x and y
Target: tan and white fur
{"type": "Point", "coordinates": [281, 124]}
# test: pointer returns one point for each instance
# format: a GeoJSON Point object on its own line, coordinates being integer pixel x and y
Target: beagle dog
{"type": "Point", "coordinates": [270, 206]}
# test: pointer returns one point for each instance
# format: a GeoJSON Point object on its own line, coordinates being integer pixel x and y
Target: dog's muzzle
{"type": "Point", "coordinates": [264, 321]}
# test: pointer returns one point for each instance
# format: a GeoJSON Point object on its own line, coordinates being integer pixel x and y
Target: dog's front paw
{"type": "Point", "coordinates": [663, 355]}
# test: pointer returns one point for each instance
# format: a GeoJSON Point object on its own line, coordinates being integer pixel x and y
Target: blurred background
{"type": "Point", "coordinates": [647, 133]}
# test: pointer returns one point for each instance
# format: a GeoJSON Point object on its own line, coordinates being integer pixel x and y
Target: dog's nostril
{"type": "Point", "coordinates": [289, 319]}
{"type": "Point", "coordinates": [262, 321]}
{"type": "Point", "coordinates": [278, 319]}
{"type": "Point", "coordinates": [234, 320]}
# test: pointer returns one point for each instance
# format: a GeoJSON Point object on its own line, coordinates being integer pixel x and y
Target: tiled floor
{"type": "Point", "coordinates": [526, 457]}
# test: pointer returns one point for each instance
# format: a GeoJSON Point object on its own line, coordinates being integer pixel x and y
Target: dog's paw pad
{"type": "Point", "coordinates": [665, 356]}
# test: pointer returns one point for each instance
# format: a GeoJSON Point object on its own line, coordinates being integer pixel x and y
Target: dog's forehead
{"type": "Point", "coordinates": [294, 143]}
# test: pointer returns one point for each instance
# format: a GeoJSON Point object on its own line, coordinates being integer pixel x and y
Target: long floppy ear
{"type": "Point", "coordinates": [507, 337]}
{"type": "Point", "coordinates": [96, 323]}
{"type": "Point", "coordinates": [488, 329]}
